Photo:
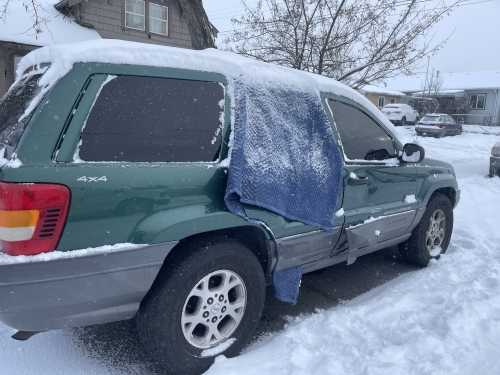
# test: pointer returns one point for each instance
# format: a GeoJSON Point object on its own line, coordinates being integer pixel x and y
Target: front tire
{"type": "Point", "coordinates": [208, 302]}
{"type": "Point", "coordinates": [432, 236]}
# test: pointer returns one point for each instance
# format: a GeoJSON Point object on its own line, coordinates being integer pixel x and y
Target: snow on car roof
{"type": "Point", "coordinates": [236, 67]}
{"type": "Point", "coordinates": [54, 27]}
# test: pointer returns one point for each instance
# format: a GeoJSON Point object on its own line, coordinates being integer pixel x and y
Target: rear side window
{"type": "Point", "coordinates": [147, 119]}
{"type": "Point", "coordinates": [362, 138]}
{"type": "Point", "coordinates": [13, 107]}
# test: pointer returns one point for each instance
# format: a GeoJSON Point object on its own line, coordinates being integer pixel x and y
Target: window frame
{"type": "Point", "coordinates": [147, 18]}
{"type": "Point", "coordinates": [150, 18]}
{"type": "Point", "coordinates": [397, 145]}
{"type": "Point", "coordinates": [144, 16]}
{"type": "Point", "coordinates": [68, 143]}
{"type": "Point", "coordinates": [474, 103]}
{"type": "Point", "coordinates": [381, 99]}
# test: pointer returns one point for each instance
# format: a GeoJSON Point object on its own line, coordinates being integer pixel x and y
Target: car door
{"type": "Point", "coordinates": [378, 203]}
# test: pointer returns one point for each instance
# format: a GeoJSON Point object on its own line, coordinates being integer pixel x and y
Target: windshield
{"type": "Point", "coordinates": [430, 118]}
{"type": "Point", "coordinates": [13, 107]}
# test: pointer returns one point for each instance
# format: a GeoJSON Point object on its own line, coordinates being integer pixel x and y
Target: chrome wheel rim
{"type": "Point", "coordinates": [214, 309]}
{"type": "Point", "coordinates": [436, 233]}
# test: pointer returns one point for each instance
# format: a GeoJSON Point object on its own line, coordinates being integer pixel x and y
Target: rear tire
{"type": "Point", "coordinates": [403, 121]}
{"type": "Point", "coordinates": [432, 236]}
{"type": "Point", "coordinates": [207, 302]}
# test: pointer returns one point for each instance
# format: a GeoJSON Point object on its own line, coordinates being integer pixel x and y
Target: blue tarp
{"type": "Point", "coordinates": [284, 155]}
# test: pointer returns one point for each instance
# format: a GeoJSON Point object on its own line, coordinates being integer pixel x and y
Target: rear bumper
{"type": "Point", "coordinates": [430, 132]}
{"type": "Point", "coordinates": [79, 291]}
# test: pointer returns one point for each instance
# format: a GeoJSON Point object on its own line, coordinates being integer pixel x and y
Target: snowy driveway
{"type": "Point", "coordinates": [441, 320]}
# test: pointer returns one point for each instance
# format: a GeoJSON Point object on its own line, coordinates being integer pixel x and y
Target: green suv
{"type": "Point", "coordinates": [112, 200]}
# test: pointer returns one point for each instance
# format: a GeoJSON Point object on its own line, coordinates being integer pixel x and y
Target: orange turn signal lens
{"type": "Point", "coordinates": [16, 219]}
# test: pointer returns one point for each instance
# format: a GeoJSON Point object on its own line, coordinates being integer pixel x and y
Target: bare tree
{"type": "Point", "coordinates": [433, 82]}
{"type": "Point", "coordinates": [354, 41]}
{"type": "Point", "coordinates": [32, 7]}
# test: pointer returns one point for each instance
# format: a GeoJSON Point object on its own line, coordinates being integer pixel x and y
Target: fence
{"type": "Point", "coordinates": [476, 119]}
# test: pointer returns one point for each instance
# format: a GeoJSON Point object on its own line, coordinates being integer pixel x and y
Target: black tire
{"type": "Point", "coordinates": [403, 121]}
{"type": "Point", "coordinates": [493, 171]}
{"type": "Point", "coordinates": [415, 250]}
{"type": "Point", "coordinates": [159, 319]}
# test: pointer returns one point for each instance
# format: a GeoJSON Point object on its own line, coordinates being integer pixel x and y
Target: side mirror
{"type": "Point", "coordinates": [413, 153]}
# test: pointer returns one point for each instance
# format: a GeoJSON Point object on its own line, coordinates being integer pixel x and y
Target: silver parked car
{"type": "Point", "coordinates": [495, 161]}
{"type": "Point", "coordinates": [438, 125]}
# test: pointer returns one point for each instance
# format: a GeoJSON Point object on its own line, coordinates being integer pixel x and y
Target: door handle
{"type": "Point", "coordinates": [356, 181]}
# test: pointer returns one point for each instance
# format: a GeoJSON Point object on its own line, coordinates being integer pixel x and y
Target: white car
{"type": "Point", "coordinates": [400, 114]}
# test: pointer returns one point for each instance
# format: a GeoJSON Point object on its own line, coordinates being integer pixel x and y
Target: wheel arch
{"type": "Point", "coordinates": [449, 192]}
{"type": "Point", "coordinates": [257, 238]}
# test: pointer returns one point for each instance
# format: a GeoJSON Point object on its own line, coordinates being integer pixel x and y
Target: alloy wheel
{"type": "Point", "coordinates": [436, 233]}
{"type": "Point", "coordinates": [214, 309]}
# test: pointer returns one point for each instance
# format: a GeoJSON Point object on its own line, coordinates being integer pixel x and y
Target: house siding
{"type": "Point", "coordinates": [389, 99]}
{"type": "Point", "coordinates": [7, 70]}
{"type": "Point", "coordinates": [488, 116]}
{"type": "Point", "coordinates": [107, 17]}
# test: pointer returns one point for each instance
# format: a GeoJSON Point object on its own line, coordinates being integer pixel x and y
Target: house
{"type": "Point", "coordinates": [470, 97]}
{"type": "Point", "coordinates": [179, 23]}
{"type": "Point", "coordinates": [381, 96]}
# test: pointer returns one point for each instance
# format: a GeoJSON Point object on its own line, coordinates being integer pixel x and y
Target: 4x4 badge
{"type": "Point", "coordinates": [92, 179]}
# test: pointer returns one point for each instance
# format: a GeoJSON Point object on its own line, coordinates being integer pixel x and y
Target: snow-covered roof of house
{"type": "Point", "coordinates": [450, 81]}
{"type": "Point", "coordinates": [371, 89]}
{"type": "Point", "coordinates": [55, 28]}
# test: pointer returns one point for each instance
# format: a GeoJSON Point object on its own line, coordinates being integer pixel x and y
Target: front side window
{"type": "Point", "coordinates": [158, 19]}
{"type": "Point", "coordinates": [478, 101]}
{"type": "Point", "coordinates": [362, 138]}
{"type": "Point", "coordinates": [147, 119]}
{"type": "Point", "coordinates": [135, 14]}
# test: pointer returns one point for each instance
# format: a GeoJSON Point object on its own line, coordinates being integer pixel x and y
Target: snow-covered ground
{"type": "Point", "coordinates": [441, 320]}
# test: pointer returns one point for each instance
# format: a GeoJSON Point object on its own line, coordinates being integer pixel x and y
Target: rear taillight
{"type": "Point", "coordinates": [32, 217]}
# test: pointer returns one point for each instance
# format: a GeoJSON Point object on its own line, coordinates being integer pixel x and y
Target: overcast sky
{"type": "Point", "coordinates": [474, 31]}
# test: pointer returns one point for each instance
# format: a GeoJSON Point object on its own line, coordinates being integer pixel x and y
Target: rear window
{"type": "Point", "coordinates": [148, 119]}
{"type": "Point", "coordinates": [431, 119]}
{"type": "Point", "coordinates": [13, 107]}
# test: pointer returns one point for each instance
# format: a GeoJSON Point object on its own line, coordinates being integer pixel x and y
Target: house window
{"type": "Point", "coordinates": [135, 14]}
{"type": "Point", "coordinates": [145, 15]}
{"type": "Point", "coordinates": [381, 101]}
{"type": "Point", "coordinates": [158, 19]}
{"type": "Point", "coordinates": [478, 101]}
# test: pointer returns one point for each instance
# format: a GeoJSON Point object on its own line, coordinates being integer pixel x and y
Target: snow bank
{"type": "Point", "coordinates": [55, 28]}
